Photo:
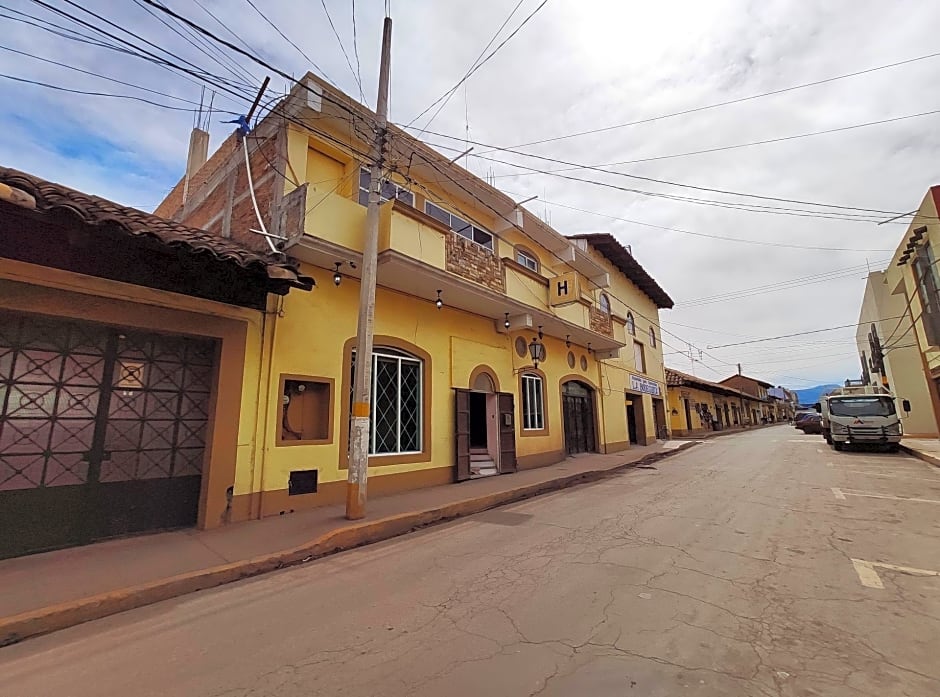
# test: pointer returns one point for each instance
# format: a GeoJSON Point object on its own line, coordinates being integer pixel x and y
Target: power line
{"type": "Point", "coordinates": [343, 49]}
{"type": "Point", "coordinates": [787, 336]}
{"type": "Point", "coordinates": [869, 211]}
{"type": "Point", "coordinates": [97, 94]}
{"type": "Point", "coordinates": [93, 74]}
{"type": "Point", "coordinates": [729, 102]}
{"type": "Point", "coordinates": [444, 98]}
{"type": "Point", "coordinates": [288, 40]}
{"type": "Point", "coordinates": [773, 287]}
{"type": "Point", "coordinates": [356, 45]}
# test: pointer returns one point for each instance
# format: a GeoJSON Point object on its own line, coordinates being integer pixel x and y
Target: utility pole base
{"type": "Point", "coordinates": [355, 502]}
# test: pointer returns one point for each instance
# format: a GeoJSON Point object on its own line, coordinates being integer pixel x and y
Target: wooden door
{"type": "Point", "coordinates": [462, 434]}
{"type": "Point", "coordinates": [507, 433]}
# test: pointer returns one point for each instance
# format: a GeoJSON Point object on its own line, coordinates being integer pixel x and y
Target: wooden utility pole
{"type": "Point", "coordinates": [358, 473]}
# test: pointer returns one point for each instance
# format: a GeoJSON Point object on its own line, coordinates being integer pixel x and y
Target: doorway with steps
{"type": "Point", "coordinates": [485, 431]}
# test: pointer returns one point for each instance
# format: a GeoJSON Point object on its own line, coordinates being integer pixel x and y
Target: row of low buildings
{"type": "Point", "coordinates": [168, 370]}
{"type": "Point", "coordinates": [898, 334]}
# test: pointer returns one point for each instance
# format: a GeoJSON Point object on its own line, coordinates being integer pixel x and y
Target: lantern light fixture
{"type": "Point", "coordinates": [439, 302]}
{"type": "Point", "coordinates": [337, 276]}
{"type": "Point", "coordinates": [506, 321]}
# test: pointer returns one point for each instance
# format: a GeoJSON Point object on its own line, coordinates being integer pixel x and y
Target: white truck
{"type": "Point", "coordinates": [861, 415]}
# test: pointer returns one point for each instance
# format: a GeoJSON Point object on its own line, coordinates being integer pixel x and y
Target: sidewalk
{"type": "Point", "coordinates": [51, 591]}
{"type": "Point", "coordinates": [926, 449]}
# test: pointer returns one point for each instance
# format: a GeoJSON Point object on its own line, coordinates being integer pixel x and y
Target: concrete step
{"type": "Point", "coordinates": [480, 457]}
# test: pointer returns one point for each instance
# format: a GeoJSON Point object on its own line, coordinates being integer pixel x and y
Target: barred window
{"type": "Point", "coordinates": [396, 407]}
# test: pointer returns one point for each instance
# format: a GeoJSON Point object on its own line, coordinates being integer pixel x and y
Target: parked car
{"type": "Point", "coordinates": [810, 424]}
{"type": "Point", "coordinates": [800, 415]}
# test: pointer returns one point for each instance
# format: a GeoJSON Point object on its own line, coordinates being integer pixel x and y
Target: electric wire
{"type": "Point", "coordinates": [730, 101]}
{"type": "Point", "coordinates": [444, 98]}
{"type": "Point", "coordinates": [288, 40]}
{"type": "Point", "coordinates": [342, 48]}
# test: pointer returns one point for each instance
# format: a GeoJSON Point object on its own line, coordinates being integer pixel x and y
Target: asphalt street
{"type": "Point", "coordinates": [755, 564]}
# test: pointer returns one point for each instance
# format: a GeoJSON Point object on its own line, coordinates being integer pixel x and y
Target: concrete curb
{"type": "Point", "coordinates": [60, 616]}
{"type": "Point", "coordinates": [930, 459]}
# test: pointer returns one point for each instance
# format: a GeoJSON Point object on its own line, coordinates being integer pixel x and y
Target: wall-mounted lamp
{"type": "Point", "coordinates": [567, 340]}
{"type": "Point", "coordinates": [506, 321]}
{"type": "Point", "coordinates": [439, 302]}
{"type": "Point", "coordinates": [337, 277]}
{"type": "Point", "coordinates": [590, 350]}
{"type": "Point", "coordinates": [537, 351]}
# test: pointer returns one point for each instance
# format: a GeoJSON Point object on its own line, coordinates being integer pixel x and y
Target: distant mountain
{"type": "Point", "coordinates": [811, 395]}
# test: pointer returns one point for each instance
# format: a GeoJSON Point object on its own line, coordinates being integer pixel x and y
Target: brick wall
{"type": "Point", "coordinates": [219, 200]}
{"type": "Point", "coordinates": [473, 262]}
{"type": "Point", "coordinates": [601, 322]}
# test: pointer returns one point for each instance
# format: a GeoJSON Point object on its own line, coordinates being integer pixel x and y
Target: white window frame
{"type": "Point", "coordinates": [402, 357]}
{"type": "Point", "coordinates": [527, 260]}
{"type": "Point", "coordinates": [402, 193]}
{"type": "Point", "coordinates": [631, 324]}
{"type": "Point", "coordinates": [533, 402]}
{"type": "Point", "coordinates": [461, 227]}
{"type": "Point", "coordinates": [639, 357]}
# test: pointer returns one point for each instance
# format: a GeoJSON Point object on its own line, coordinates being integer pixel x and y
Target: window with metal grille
{"type": "Point", "coordinates": [527, 259]}
{"type": "Point", "coordinates": [396, 413]}
{"type": "Point", "coordinates": [533, 404]}
{"type": "Point", "coordinates": [390, 190]}
{"type": "Point", "coordinates": [460, 226]}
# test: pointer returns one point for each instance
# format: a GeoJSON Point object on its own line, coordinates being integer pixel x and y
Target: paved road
{"type": "Point", "coordinates": [727, 570]}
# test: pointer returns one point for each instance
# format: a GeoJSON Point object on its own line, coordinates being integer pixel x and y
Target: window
{"type": "Point", "coordinates": [533, 405]}
{"type": "Point", "coordinates": [390, 190]}
{"type": "Point", "coordinates": [631, 325]}
{"type": "Point", "coordinates": [928, 288]}
{"type": "Point", "coordinates": [527, 259]}
{"type": "Point", "coordinates": [396, 402]}
{"type": "Point", "coordinates": [306, 410]}
{"type": "Point", "coordinates": [652, 338]}
{"type": "Point", "coordinates": [459, 225]}
{"type": "Point", "coordinates": [638, 359]}
{"type": "Point", "coordinates": [605, 304]}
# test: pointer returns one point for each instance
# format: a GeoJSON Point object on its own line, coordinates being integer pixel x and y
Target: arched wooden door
{"type": "Point", "coordinates": [578, 414]}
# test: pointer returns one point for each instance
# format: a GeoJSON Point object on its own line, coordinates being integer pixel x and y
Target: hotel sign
{"type": "Point", "coordinates": [564, 289]}
{"type": "Point", "coordinates": [644, 385]}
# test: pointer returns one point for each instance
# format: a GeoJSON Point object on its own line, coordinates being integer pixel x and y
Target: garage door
{"type": "Point", "coordinates": [102, 431]}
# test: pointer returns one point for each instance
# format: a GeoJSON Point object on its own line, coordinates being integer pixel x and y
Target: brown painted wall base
{"type": "Point", "coordinates": [278, 502]}
{"type": "Point", "coordinates": [531, 462]}
{"type": "Point", "coordinates": [617, 447]}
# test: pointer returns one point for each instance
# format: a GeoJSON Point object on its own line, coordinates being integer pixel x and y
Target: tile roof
{"type": "Point", "coordinates": [610, 247]}
{"type": "Point", "coordinates": [97, 211]}
{"type": "Point", "coordinates": [676, 378]}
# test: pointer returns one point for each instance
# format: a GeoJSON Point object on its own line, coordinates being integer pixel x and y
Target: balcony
{"type": "Point", "coordinates": [419, 256]}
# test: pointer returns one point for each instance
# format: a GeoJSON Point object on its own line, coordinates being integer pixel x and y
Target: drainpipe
{"type": "Point", "coordinates": [263, 404]}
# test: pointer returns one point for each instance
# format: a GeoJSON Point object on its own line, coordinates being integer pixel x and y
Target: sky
{"type": "Point", "coordinates": [574, 66]}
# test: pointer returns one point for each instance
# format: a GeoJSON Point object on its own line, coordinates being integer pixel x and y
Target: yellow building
{"type": "Point", "coordinates": [697, 406]}
{"type": "Point", "coordinates": [130, 357]}
{"type": "Point", "coordinates": [899, 323]}
{"type": "Point", "coordinates": [456, 392]}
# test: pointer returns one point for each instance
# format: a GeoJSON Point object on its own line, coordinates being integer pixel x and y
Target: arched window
{"type": "Point", "coordinates": [605, 304]}
{"type": "Point", "coordinates": [397, 408]}
{"type": "Point", "coordinates": [631, 325]}
{"type": "Point", "coordinates": [652, 338]}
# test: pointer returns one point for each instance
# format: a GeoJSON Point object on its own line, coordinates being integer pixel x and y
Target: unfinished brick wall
{"type": "Point", "coordinates": [218, 199]}
{"type": "Point", "coordinates": [601, 322]}
{"type": "Point", "coordinates": [475, 263]}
